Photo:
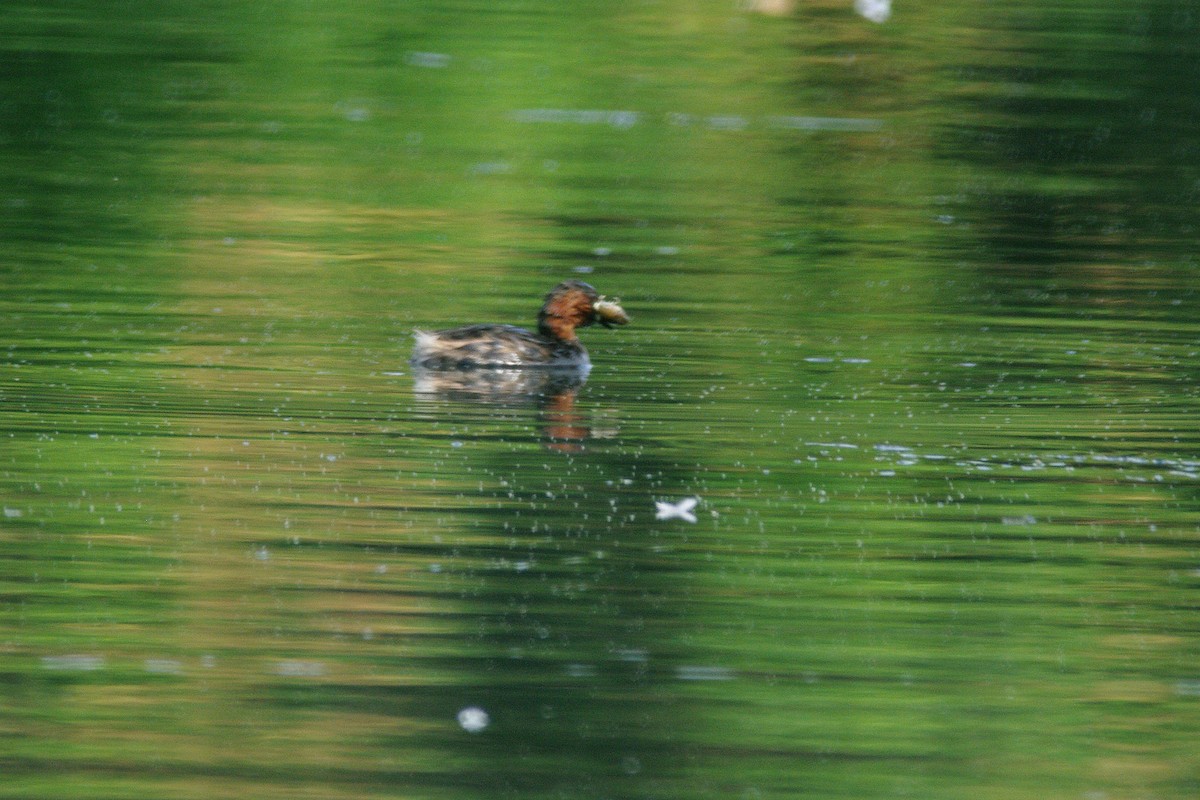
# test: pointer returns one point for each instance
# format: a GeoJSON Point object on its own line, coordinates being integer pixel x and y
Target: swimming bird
{"type": "Point", "coordinates": [570, 305]}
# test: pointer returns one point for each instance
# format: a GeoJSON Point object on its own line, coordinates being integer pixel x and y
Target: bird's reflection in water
{"type": "Point", "coordinates": [552, 390]}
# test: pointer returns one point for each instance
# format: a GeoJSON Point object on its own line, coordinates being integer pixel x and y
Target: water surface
{"type": "Point", "coordinates": [914, 321]}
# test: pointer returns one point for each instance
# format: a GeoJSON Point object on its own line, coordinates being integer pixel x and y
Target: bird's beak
{"type": "Point", "coordinates": [610, 313]}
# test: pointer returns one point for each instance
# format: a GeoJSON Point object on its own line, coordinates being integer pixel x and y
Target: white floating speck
{"type": "Point", "coordinates": [73, 663]}
{"type": "Point", "coordinates": [879, 11]}
{"type": "Point", "coordinates": [490, 168]}
{"type": "Point", "coordinates": [473, 719]}
{"type": "Point", "coordinates": [417, 58]}
{"type": "Point", "coordinates": [728, 122]}
{"type": "Point", "coordinates": [697, 673]}
{"type": "Point", "coordinates": [300, 669]}
{"type": "Point", "coordinates": [664, 509]}
{"type": "Point", "coordinates": [633, 655]}
{"type": "Point", "coordinates": [825, 123]}
{"type": "Point", "coordinates": [580, 670]}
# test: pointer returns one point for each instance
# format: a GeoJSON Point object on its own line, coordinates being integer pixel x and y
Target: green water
{"type": "Point", "coordinates": [915, 318]}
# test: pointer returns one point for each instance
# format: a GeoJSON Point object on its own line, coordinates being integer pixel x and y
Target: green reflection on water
{"type": "Point", "coordinates": [914, 318]}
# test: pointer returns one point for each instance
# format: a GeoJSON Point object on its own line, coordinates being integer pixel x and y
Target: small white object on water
{"type": "Point", "coordinates": [704, 673]}
{"type": "Point", "coordinates": [664, 509]}
{"type": "Point", "coordinates": [73, 663]}
{"type": "Point", "coordinates": [299, 668]}
{"type": "Point", "coordinates": [875, 10]}
{"type": "Point", "coordinates": [417, 58]}
{"type": "Point", "coordinates": [473, 719]}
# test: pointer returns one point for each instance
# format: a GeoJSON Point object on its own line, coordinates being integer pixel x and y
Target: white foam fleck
{"type": "Point", "coordinates": [473, 719]}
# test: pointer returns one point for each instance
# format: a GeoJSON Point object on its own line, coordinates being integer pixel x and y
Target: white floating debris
{"type": "Point", "coordinates": [417, 58]}
{"type": "Point", "coordinates": [633, 655]}
{"type": "Point", "coordinates": [850, 124]}
{"type": "Point", "coordinates": [614, 118]}
{"type": "Point", "coordinates": [163, 666]}
{"type": "Point", "coordinates": [698, 673]}
{"type": "Point", "coordinates": [300, 669]}
{"type": "Point", "coordinates": [879, 11]}
{"type": "Point", "coordinates": [664, 509]}
{"type": "Point", "coordinates": [354, 112]}
{"type": "Point", "coordinates": [73, 663]}
{"type": "Point", "coordinates": [728, 122]}
{"type": "Point", "coordinates": [473, 719]}
{"type": "Point", "coordinates": [490, 168]}
{"type": "Point", "coordinates": [580, 670]}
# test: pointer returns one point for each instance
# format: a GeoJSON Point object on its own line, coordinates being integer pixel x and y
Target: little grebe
{"type": "Point", "coordinates": [570, 305]}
